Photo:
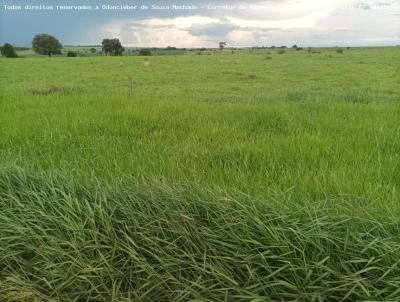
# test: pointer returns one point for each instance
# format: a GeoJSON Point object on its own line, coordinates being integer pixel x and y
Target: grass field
{"type": "Point", "coordinates": [224, 177]}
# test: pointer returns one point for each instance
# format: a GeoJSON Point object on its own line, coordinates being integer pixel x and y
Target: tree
{"type": "Point", "coordinates": [44, 44]}
{"type": "Point", "coordinates": [8, 51]}
{"type": "Point", "coordinates": [222, 45]}
{"type": "Point", "coordinates": [144, 52]}
{"type": "Point", "coordinates": [93, 50]}
{"type": "Point", "coordinates": [72, 54]}
{"type": "Point", "coordinates": [112, 47]}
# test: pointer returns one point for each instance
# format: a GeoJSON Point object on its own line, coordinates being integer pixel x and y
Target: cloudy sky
{"type": "Point", "coordinates": [238, 22]}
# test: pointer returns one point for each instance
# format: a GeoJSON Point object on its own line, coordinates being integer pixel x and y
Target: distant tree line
{"type": "Point", "coordinates": [45, 44]}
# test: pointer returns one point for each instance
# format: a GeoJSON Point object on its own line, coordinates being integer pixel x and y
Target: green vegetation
{"type": "Point", "coordinates": [8, 51]}
{"type": "Point", "coordinates": [48, 45]}
{"type": "Point", "coordinates": [225, 177]}
{"type": "Point", "coordinates": [144, 52]}
{"type": "Point", "coordinates": [112, 47]}
{"type": "Point", "coordinates": [89, 51]}
{"type": "Point", "coordinates": [72, 54]}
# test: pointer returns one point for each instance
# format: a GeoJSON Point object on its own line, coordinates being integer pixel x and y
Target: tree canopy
{"type": "Point", "coordinates": [112, 47]}
{"type": "Point", "coordinates": [44, 44]}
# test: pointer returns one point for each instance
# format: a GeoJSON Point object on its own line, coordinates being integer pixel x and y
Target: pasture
{"type": "Point", "coordinates": [242, 176]}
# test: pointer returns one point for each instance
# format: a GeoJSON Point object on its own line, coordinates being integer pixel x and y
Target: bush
{"type": "Point", "coordinates": [281, 51]}
{"type": "Point", "coordinates": [144, 52]}
{"type": "Point", "coordinates": [72, 54]}
{"type": "Point", "coordinates": [8, 51]}
{"type": "Point", "coordinates": [339, 50]}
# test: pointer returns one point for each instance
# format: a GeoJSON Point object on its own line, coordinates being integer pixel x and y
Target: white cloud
{"type": "Point", "coordinates": [179, 22]}
{"type": "Point", "coordinates": [160, 32]}
{"type": "Point", "coordinates": [243, 37]}
{"type": "Point", "coordinates": [297, 22]}
{"type": "Point", "coordinates": [304, 22]}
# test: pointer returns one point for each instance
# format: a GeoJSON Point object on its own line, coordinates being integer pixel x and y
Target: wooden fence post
{"type": "Point", "coordinates": [130, 86]}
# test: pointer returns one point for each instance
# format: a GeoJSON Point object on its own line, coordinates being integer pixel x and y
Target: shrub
{"type": "Point", "coordinates": [8, 51]}
{"type": "Point", "coordinates": [72, 54]}
{"type": "Point", "coordinates": [281, 51]}
{"type": "Point", "coordinates": [144, 52]}
{"type": "Point", "coordinates": [339, 50]}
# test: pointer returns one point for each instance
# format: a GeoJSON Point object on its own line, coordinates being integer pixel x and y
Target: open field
{"type": "Point", "coordinates": [224, 177]}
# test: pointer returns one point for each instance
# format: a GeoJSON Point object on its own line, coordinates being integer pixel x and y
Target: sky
{"type": "Point", "coordinates": [205, 23]}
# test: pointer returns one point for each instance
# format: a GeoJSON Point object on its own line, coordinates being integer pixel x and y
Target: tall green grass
{"type": "Point", "coordinates": [223, 178]}
{"type": "Point", "coordinates": [313, 149]}
{"type": "Point", "coordinates": [63, 241]}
